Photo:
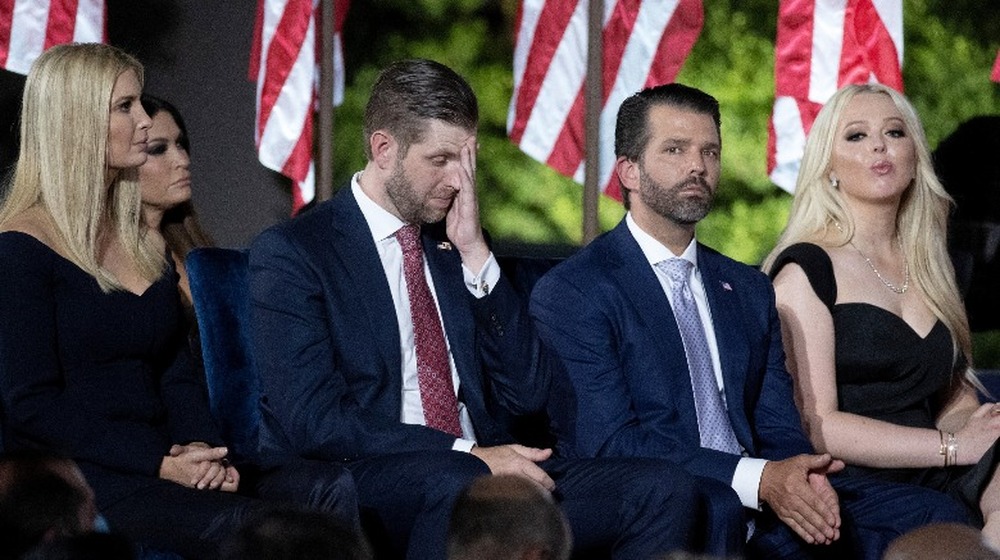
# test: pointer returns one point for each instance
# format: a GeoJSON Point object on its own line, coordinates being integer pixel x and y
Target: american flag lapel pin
{"type": "Point", "coordinates": [444, 246]}
{"type": "Point", "coordinates": [726, 286]}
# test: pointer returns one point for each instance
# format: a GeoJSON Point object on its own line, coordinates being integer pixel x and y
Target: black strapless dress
{"type": "Point", "coordinates": [887, 371]}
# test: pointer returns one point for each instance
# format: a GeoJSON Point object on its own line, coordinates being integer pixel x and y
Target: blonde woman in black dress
{"type": "Point", "coordinates": [874, 329]}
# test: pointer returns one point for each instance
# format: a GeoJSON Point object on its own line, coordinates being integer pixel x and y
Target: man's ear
{"type": "Point", "coordinates": [384, 148]}
{"type": "Point", "coordinates": [628, 173]}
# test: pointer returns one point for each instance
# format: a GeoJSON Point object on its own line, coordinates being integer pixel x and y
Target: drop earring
{"type": "Point", "coordinates": [834, 183]}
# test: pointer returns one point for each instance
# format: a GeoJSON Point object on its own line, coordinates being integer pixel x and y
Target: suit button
{"type": "Point", "coordinates": [497, 327]}
{"type": "Point", "coordinates": [745, 453]}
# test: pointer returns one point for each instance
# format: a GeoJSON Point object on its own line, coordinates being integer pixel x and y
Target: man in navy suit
{"type": "Point", "coordinates": [345, 326]}
{"type": "Point", "coordinates": [652, 309]}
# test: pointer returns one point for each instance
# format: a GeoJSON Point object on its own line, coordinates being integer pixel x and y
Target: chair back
{"type": "Point", "coordinates": [219, 280]}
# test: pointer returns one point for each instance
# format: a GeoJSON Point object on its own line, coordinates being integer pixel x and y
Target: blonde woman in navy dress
{"type": "Point", "coordinates": [93, 352]}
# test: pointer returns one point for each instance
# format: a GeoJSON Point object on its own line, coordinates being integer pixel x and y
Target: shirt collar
{"type": "Point", "coordinates": [382, 223]}
{"type": "Point", "coordinates": [655, 251]}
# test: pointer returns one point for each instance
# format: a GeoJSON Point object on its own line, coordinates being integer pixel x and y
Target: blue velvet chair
{"type": "Point", "coordinates": [220, 289]}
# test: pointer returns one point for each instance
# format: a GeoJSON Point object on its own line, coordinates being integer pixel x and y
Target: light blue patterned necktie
{"type": "Point", "coordinates": [714, 427]}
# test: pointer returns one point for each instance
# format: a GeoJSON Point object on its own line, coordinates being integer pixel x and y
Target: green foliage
{"type": "Point", "coordinates": [986, 350]}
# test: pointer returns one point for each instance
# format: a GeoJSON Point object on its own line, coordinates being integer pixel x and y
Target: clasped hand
{"type": "Point", "coordinates": [198, 465]}
{"type": "Point", "coordinates": [799, 492]}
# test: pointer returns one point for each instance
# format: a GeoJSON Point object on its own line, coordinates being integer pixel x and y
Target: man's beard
{"type": "Point", "coordinates": [411, 207]}
{"type": "Point", "coordinates": [668, 202]}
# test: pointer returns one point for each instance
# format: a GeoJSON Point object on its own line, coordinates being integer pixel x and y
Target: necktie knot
{"type": "Point", "coordinates": [677, 269]}
{"type": "Point", "coordinates": [409, 237]}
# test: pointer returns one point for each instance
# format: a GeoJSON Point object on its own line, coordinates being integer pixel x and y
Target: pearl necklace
{"type": "Point", "coordinates": [906, 266]}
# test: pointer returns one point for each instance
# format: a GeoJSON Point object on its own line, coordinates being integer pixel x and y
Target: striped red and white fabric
{"type": "Point", "coordinates": [28, 27]}
{"type": "Point", "coordinates": [645, 43]}
{"type": "Point", "coordinates": [821, 46]}
{"type": "Point", "coordinates": [284, 61]}
{"type": "Point", "coordinates": [995, 76]}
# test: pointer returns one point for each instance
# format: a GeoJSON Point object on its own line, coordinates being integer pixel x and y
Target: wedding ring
{"type": "Point", "coordinates": [996, 409]}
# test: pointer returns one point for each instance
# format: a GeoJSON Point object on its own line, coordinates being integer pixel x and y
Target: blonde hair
{"type": "Point", "coordinates": [62, 166]}
{"type": "Point", "coordinates": [921, 222]}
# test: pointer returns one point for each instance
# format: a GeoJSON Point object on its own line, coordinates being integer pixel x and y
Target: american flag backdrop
{"type": "Point", "coordinates": [821, 46]}
{"type": "Point", "coordinates": [284, 61]}
{"type": "Point", "coordinates": [28, 27]}
{"type": "Point", "coordinates": [645, 43]}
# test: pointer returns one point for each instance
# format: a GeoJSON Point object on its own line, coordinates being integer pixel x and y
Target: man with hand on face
{"type": "Point", "coordinates": [386, 338]}
{"type": "Point", "coordinates": [674, 351]}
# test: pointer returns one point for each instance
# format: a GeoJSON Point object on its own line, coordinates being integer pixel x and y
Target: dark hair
{"type": "Point", "coordinates": [285, 532]}
{"type": "Point", "coordinates": [153, 105]}
{"type": "Point", "coordinates": [502, 516]}
{"type": "Point", "coordinates": [180, 226]}
{"type": "Point", "coordinates": [632, 126]}
{"type": "Point", "coordinates": [409, 92]}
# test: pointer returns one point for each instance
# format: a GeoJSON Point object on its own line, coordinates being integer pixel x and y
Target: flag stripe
{"type": "Point", "coordinates": [635, 71]}
{"type": "Point", "coordinates": [821, 46]}
{"type": "Point", "coordinates": [59, 29]}
{"type": "Point", "coordinates": [284, 59]}
{"type": "Point", "coordinates": [869, 51]}
{"type": "Point", "coordinates": [563, 23]}
{"type": "Point", "coordinates": [284, 35]}
{"type": "Point", "coordinates": [28, 27]}
{"type": "Point", "coordinates": [91, 22]}
{"type": "Point", "coordinates": [677, 41]}
{"type": "Point", "coordinates": [827, 49]}
{"type": "Point", "coordinates": [568, 152]}
{"type": "Point", "coordinates": [662, 38]}
{"type": "Point", "coordinates": [27, 34]}
{"type": "Point", "coordinates": [6, 19]}
{"type": "Point", "coordinates": [793, 45]}
{"type": "Point", "coordinates": [547, 110]}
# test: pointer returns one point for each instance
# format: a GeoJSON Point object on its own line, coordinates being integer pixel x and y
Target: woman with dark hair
{"type": "Point", "coordinates": [165, 181]}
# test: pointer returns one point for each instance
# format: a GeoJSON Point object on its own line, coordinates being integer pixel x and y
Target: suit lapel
{"type": "Point", "coordinates": [723, 303]}
{"type": "Point", "coordinates": [362, 267]}
{"type": "Point", "coordinates": [629, 267]}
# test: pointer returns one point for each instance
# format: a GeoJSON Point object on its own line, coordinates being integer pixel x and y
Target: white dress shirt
{"type": "Point", "coordinates": [383, 226]}
{"type": "Point", "coordinates": [746, 478]}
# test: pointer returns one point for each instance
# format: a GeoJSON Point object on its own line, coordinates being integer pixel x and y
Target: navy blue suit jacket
{"type": "Point", "coordinates": [625, 389]}
{"type": "Point", "coordinates": [327, 342]}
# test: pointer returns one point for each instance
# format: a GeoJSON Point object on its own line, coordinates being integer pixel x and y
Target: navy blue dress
{"type": "Point", "coordinates": [106, 379]}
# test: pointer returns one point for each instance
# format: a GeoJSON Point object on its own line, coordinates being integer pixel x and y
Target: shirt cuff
{"type": "Point", "coordinates": [463, 445]}
{"type": "Point", "coordinates": [746, 481]}
{"type": "Point", "coordinates": [480, 284]}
